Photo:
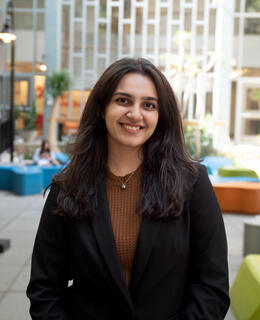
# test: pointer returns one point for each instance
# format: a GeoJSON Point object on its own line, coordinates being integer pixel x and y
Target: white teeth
{"type": "Point", "coordinates": [131, 128]}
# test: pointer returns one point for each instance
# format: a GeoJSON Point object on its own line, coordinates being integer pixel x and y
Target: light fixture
{"type": "Point", "coordinates": [43, 67]}
{"type": "Point", "coordinates": [7, 35]}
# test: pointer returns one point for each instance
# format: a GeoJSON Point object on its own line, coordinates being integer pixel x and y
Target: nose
{"type": "Point", "coordinates": [135, 113]}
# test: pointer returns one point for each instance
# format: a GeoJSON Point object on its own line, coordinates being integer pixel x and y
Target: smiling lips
{"type": "Point", "coordinates": [131, 128]}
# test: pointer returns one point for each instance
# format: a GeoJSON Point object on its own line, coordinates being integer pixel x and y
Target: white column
{"type": "Point", "coordinates": [222, 83]}
{"type": "Point", "coordinates": [52, 51]}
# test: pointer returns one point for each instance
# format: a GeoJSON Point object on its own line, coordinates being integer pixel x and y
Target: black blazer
{"type": "Point", "coordinates": [180, 267]}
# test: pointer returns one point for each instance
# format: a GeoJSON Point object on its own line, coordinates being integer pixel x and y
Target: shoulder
{"type": "Point", "coordinates": [203, 202]}
{"type": "Point", "coordinates": [196, 179]}
{"type": "Point", "coordinates": [202, 179]}
{"type": "Point", "coordinates": [52, 192]}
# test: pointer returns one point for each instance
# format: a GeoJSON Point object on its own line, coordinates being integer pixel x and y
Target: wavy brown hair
{"type": "Point", "coordinates": [168, 170]}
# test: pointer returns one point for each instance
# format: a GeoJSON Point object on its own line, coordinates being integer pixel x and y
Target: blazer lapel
{"type": "Point", "coordinates": [103, 230]}
{"type": "Point", "coordinates": [148, 233]}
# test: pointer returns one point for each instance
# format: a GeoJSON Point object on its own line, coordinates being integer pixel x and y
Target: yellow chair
{"type": "Point", "coordinates": [245, 291]}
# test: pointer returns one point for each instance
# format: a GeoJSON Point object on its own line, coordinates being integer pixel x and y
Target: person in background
{"type": "Point", "coordinates": [131, 228]}
{"type": "Point", "coordinates": [43, 156]}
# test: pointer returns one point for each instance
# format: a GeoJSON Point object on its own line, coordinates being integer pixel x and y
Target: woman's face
{"type": "Point", "coordinates": [46, 145]}
{"type": "Point", "coordinates": [132, 113]}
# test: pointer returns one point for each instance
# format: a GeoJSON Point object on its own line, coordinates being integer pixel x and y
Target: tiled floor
{"type": "Point", "coordinates": [19, 217]}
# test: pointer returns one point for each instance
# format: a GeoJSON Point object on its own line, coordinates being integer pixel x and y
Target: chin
{"type": "Point", "coordinates": [132, 144]}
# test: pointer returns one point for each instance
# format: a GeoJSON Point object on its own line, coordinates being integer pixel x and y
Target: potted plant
{"type": "Point", "coordinates": [57, 83]}
{"type": "Point", "coordinates": [29, 115]}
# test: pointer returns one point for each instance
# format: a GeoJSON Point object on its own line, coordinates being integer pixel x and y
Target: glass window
{"type": "Point", "coordinates": [102, 37]}
{"type": "Point", "coordinates": [163, 30]}
{"type": "Point", "coordinates": [175, 31]}
{"type": "Point", "coordinates": [23, 20]}
{"type": "Point", "coordinates": [138, 20]}
{"type": "Point", "coordinates": [252, 5]}
{"type": "Point", "coordinates": [176, 9]}
{"type": "Point", "coordinates": [253, 99]}
{"type": "Point", "coordinates": [40, 43]}
{"type": "Point", "coordinates": [198, 44]}
{"type": "Point", "coordinates": [114, 20]}
{"type": "Point", "coordinates": [252, 26]}
{"type": "Point", "coordinates": [101, 66]}
{"type": "Point", "coordinates": [23, 3]}
{"type": "Point", "coordinates": [65, 36]}
{"type": "Point", "coordinates": [252, 127]}
{"type": "Point", "coordinates": [78, 8]}
{"type": "Point", "coordinates": [41, 4]}
{"type": "Point", "coordinates": [40, 22]}
{"type": "Point", "coordinates": [237, 6]}
{"type": "Point", "coordinates": [24, 42]}
{"type": "Point", "coordinates": [187, 21]}
{"type": "Point", "coordinates": [236, 26]}
{"type": "Point", "coordinates": [150, 38]}
{"type": "Point", "coordinates": [114, 35]}
{"type": "Point", "coordinates": [1, 59]}
{"type": "Point", "coordinates": [90, 38]}
{"type": "Point", "coordinates": [138, 31]}
{"type": "Point", "coordinates": [200, 10]}
{"type": "Point", "coordinates": [77, 37]}
{"type": "Point", "coordinates": [21, 89]}
{"type": "Point", "coordinates": [102, 8]}
{"type": "Point", "coordinates": [126, 38]}
{"type": "Point", "coordinates": [77, 67]}
{"type": "Point", "coordinates": [212, 21]}
{"type": "Point", "coordinates": [127, 9]}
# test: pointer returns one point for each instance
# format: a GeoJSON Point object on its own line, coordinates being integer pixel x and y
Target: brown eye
{"type": "Point", "coordinates": [123, 101]}
{"type": "Point", "coordinates": [149, 105]}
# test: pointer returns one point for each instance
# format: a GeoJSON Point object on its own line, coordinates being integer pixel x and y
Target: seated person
{"type": "Point", "coordinates": [43, 156]}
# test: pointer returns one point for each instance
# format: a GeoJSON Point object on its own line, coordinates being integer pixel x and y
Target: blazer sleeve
{"type": "Point", "coordinates": [49, 270]}
{"type": "Point", "coordinates": [208, 285]}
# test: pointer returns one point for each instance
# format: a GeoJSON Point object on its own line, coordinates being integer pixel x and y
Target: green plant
{"type": "Point", "coordinates": [57, 82]}
{"type": "Point", "coordinates": [29, 115]}
{"type": "Point", "coordinates": [199, 141]}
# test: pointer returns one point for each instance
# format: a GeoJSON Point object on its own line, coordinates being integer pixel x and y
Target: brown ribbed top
{"type": "Point", "coordinates": [125, 221]}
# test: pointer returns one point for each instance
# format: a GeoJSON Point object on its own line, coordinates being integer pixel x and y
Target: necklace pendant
{"type": "Point", "coordinates": [123, 186]}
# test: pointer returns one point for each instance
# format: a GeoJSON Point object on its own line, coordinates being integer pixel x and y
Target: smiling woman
{"type": "Point", "coordinates": [132, 220]}
{"type": "Point", "coordinates": [131, 117]}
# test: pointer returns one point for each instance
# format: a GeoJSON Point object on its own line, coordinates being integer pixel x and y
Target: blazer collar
{"type": "Point", "coordinates": [101, 224]}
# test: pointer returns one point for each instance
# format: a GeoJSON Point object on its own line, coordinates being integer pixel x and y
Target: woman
{"type": "Point", "coordinates": [43, 156]}
{"type": "Point", "coordinates": [132, 220]}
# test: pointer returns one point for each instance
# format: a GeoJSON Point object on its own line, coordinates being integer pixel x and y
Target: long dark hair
{"type": "Point", "coordinates": [168, 170]}
{"type": "Point", "coordinates": [43, 148]}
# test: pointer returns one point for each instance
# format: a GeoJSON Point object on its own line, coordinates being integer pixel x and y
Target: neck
{"type": "Point", "coordinates": [123, 161]}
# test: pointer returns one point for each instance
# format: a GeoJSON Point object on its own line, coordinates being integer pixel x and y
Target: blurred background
{"type": "Point", "coordinates": [208, 49]}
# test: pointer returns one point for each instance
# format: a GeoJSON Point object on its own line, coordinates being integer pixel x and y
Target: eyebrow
{"type": "Point", "coordinates": [130, 96]}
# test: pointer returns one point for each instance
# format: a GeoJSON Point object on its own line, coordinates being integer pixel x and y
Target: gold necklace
{"type": "Point", "coordinates": [123, 185]}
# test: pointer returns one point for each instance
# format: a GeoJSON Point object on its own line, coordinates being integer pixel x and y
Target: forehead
{"type": "Point", "coordinates": [137, 84]}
